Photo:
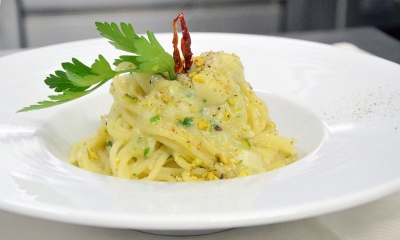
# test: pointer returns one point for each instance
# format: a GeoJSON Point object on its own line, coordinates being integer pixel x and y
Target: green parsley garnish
{"type": "Point", "coordinates": [77, 79]}
{"type": "Point", "coordinates": [187, 122]}
{"type": "Point", "coordinates": [109, 144]}
{"type": "Point", "coordinates": [146, 151]}
{"type": "Point", "coordinates": [155, 118]}
{"type": "Point", "coordinates": [204, 100]}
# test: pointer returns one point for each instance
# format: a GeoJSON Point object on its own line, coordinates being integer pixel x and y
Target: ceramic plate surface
{"type": "Point", "coordinates": [342, 107]}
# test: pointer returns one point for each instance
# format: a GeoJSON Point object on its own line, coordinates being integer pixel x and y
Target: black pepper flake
{"type": "Point", "coordinates": [218, 128]}
{"type": "Point", "coordinates": [221, 176]}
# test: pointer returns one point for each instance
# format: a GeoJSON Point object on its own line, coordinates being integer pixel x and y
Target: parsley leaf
{"type": "Point", "coordinates": [150, 56]}
{"type": "Point", "coordinates": [77, 80]}
{"type": "Point", "coordinates": [81, 75]}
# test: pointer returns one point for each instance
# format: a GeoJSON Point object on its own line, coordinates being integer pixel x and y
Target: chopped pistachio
{"type": "Point", "coordinates": [227, 116]}
{"type": "Point", "coordinates": [221, 158]}
{"type": "Point", "coordinates": [210, 176]}
{"type": "Point", "coordinates": [231, 101]}
{"type": "Point", "coordinates": [198, 60]}
{"type": "Point", "coordinates": [178, 179]}
{"type": "Point", "coordinates": [204, 125]}
{"type": "Point", "coordinates": [192, 74]}
{"type": "Point", "coordinates": [199, 79]}
{"type": "Point", "coordinates": [246, 143]}
{"type": "Point", "coordinates": [133, 99]}
{"type": "Point", "coordinates": [158, 111]}
{"type": "Point", "coordinates": [232, 160]}
{"type": "Point", "coordinates": [92, 154]}
{"type": "Point", "coordinates": [166, 98]}
{"type": "Point", "coordinates": [197, 162]}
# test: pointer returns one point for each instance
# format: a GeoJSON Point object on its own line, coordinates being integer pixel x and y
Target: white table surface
{"type": "Point", "coordinates": [376, 220]}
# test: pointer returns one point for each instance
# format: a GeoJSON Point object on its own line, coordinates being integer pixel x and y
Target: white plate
{"type": "Point", "coordinates": [343, 107]}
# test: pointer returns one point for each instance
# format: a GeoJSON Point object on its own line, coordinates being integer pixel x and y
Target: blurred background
{"type": "Point", "coordinates": [35, 23]}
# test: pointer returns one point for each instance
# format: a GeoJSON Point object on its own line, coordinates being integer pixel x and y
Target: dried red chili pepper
{"type": "Point", "coordinates": [182, 67]}
{"type": "Point", "coordinates": [177, 55]}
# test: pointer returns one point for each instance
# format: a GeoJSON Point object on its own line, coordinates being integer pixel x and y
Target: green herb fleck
{"type": "Point", "coordinates": [204, 100]}
{"type": "Point", "coordinates": [240, 161]}
{"type": "Point", "coordinates": [134, 174]}
{"type": "Point", "coordinates": [146, 151]}
{"type": "Point", "coordinates": [187, 122]}
{"type": "Point", "coordinates": [109, 144]}
{"type": "Point", "coordinates": [155, 118]}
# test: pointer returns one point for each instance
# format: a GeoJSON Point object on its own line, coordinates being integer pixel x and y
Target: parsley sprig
{"type": "Point", "coordinates": [77, 79]}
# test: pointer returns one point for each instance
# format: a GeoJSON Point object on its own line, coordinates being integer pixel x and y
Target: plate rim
{"type": "Point", "coordinates": [367, 196]}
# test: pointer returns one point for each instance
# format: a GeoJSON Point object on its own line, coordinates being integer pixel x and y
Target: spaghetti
{"type": "Point", "coordinates": [206, 125]}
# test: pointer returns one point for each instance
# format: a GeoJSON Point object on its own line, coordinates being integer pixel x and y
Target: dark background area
{"type": "Point", "coordinates": [308, 15]}
{"type": "Point", "coordinates": [36, 23]}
